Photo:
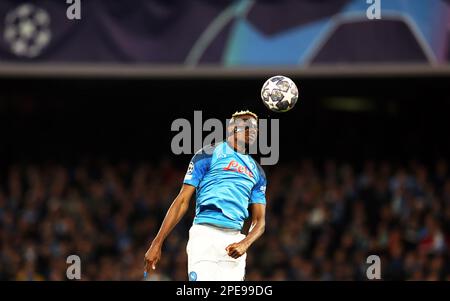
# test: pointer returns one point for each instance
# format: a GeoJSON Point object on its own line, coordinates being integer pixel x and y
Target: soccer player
{"type": "Point", "coordinates": [228, 182]}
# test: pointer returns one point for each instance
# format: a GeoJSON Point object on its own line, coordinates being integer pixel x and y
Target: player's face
{"type": "Point", "coordinates": [246, 130]}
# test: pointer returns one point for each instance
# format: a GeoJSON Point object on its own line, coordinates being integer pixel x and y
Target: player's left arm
{"type": "Point", "coordinates": [258, 212]}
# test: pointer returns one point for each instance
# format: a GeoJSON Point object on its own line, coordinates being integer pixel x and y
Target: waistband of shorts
{"type": "Point", "coordinates": [217, 228]}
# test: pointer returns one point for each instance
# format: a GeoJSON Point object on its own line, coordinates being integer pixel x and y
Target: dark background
{"type": "Point", "coordinates": [344, 118]}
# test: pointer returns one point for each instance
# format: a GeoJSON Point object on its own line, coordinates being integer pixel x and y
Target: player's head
{"type": "Point", "coordinates": [243, 127]}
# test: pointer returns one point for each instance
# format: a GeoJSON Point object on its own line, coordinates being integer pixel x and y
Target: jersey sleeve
{"type": "Point", "coordinates": [197, 168]}
{"type": "Point", "coordinates": [258, 195]}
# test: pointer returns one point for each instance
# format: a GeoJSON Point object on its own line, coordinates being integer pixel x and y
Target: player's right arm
{"type": "Point", "coordinates": [198, 167]}
{"type": "Point", "coordinates": [176, 211]}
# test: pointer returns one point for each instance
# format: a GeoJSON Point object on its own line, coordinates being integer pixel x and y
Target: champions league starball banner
{"type": "Point", "coordinates": [226, 33]}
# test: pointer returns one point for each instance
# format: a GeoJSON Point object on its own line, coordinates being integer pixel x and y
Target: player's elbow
{"type": "Point", "coordinates": [259, 224]}
{"type": "Point", "coordinates": [263, 226]}
{"type": "Point", "coordinates": [184, 196]}
{"type": "Point", "coordinates": [183, 202]}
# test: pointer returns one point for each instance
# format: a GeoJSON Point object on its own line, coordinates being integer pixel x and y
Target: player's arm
{"type": "Point", "coordinates": [176, 211]}
{"type": "Point", "coordinates": [258, 225]}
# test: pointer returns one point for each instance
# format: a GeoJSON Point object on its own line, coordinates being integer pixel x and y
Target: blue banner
{"type": "Point", "coordinates": [227, 33]}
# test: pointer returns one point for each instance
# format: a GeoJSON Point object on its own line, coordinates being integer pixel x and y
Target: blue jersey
{"type": "Point", "coordinates": [226, 183]}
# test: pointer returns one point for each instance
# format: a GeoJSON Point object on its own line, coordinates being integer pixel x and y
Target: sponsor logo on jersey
{"type": "Point", "coordinates": [236, 167]}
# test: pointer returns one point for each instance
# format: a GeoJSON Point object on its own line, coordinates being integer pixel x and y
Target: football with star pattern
{"type": "Point", "coordinates": [279, 93]}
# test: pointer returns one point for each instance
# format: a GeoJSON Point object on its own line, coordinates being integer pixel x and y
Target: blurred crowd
{"type": "Point", "coordinates": [323, 220]}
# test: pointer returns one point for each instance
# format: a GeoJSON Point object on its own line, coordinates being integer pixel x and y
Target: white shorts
{"type": "Point", "coordinates": [207, 258]}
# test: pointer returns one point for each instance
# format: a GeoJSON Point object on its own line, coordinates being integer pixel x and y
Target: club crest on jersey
{"type": "Point", "coordinates": [236, 167]}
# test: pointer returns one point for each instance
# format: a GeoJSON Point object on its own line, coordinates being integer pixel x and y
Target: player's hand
{"type": "Point", "coordinates": [152, 257]}
{"type": "Point", "coordinates": [236, 249]}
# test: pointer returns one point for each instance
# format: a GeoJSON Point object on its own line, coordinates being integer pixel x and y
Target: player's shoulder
{"type": "Point", "coordinates": [259, 168]}
{"type": "Point", "coordinates": [205, 152]}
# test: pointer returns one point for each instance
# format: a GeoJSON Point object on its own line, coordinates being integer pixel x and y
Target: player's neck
{"type": "Point", "coordinates": [236, 146]}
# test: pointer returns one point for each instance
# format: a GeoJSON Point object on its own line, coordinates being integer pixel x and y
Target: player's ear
{"type": "Point", "coordinates": [230, 129]}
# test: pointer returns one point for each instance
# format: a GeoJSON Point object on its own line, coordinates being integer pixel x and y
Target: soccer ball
{"type": "Point", "coordinates": [279, 93]}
